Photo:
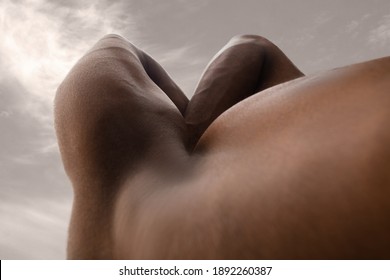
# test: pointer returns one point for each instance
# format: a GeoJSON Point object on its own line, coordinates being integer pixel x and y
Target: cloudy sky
{"type": "Point", "coordinates": [41, 39]}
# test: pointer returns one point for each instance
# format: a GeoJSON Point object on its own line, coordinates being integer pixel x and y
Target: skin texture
{"type": "Point", "coordinates": [262, 163]}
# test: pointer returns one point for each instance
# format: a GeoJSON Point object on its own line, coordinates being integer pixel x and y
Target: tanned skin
{"type": "Point", "coordinates": [261, 163]}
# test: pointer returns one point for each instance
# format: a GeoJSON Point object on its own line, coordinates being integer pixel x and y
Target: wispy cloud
{"type": "Point", "coordinates": [40, 40]}
{"type": "Point", "coordinates": [183, 63]}
{"type": "Point", "coordinates": [352, 26]}
{"type": "Point", "coordinates": [5, 114]}
{"type": "Point", "coordinates": [380, 35]}
{"type": "Point", "coordinates": [29, 224]}
{"type": "Point", "coordinates": [323, 18]}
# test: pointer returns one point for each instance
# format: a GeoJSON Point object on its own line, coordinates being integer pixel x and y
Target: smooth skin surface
{"type": "Point", "coordinates": [262, 162]}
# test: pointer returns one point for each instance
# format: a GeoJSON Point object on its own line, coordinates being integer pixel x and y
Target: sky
{"type": "Point", "coordinates": [40, 40]}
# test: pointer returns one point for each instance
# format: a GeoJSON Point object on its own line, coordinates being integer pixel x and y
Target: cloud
{"type": "Point", "coordinates": [323, 18]}
{"type": "Point", "coordinates": [380, 35]}
{"type": "Point", "coordinates": [40, 40]}
{"type": "Point", "coordinates": [174, 55]}
{"type": "Point", "coordinates": [183, 62]}
{"type": "Point", "coordinates": [33, 228]}
{"type": "Point", "coordinates": [5, 114]}
{"type": "Point", "coordinates": [352, 26]}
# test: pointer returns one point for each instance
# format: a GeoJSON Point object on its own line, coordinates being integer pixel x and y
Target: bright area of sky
{"type": "Point", "coordinates": [40, 40]}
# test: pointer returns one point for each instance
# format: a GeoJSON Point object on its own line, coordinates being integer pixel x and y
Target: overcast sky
{"type": "Point", "coordinates": [41, 39]}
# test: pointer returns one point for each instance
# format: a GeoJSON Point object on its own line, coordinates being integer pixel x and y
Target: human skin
{"type": "Point", "coordinates": [262, 163]}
